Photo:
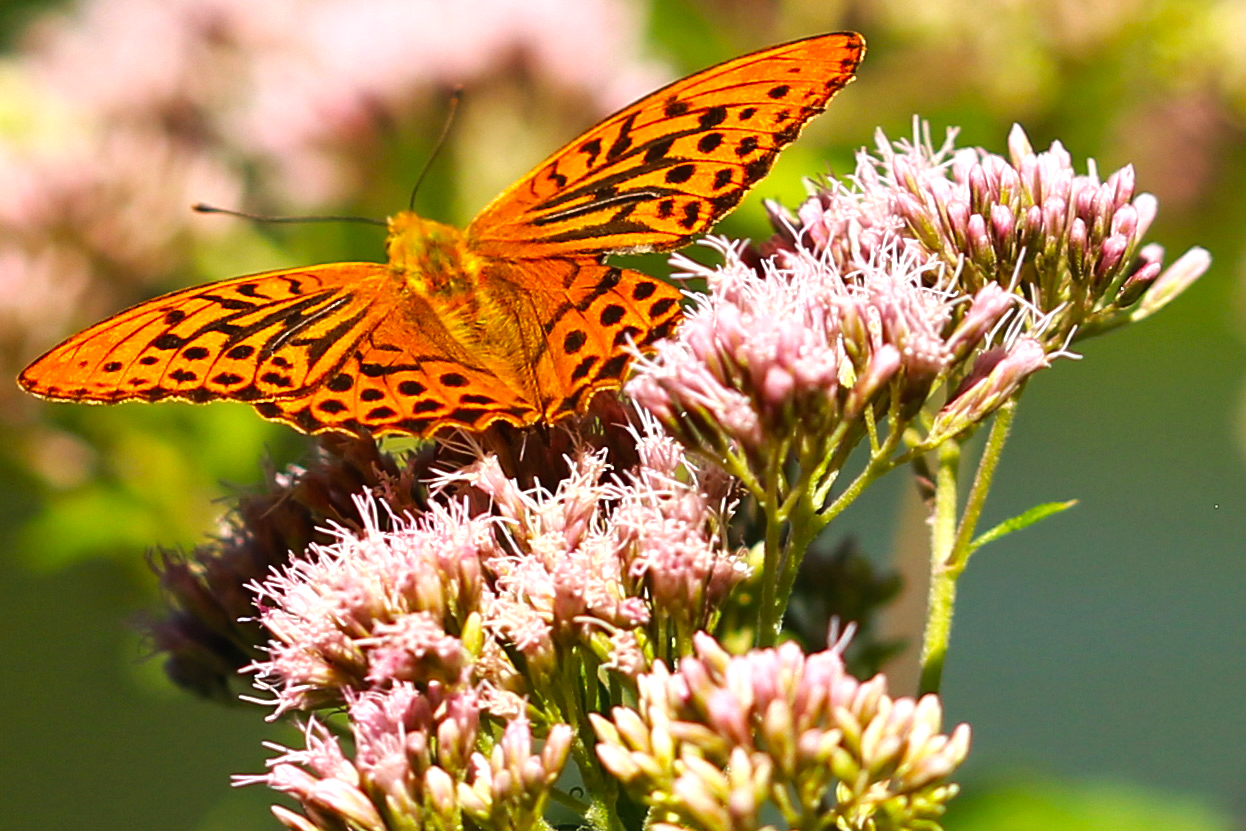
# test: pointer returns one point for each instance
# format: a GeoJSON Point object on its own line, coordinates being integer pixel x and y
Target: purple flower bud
{"type": "Point", "coordinates": [979, 244]}
{"type": "Point", "coordinates": [1102, 208]}
{"type": "Point", "coordinates": [1032, 231]}
{"type": "Point", "coordinates": [981, 193]}
{"type": "Point", "coordinates": [997, 375]}
{"type": "Point", "coordinates": [1009, 184]}
{"type": "Point", "coordinates": [1077, 243]}
{"type": "Point", "coordinates": [904, 175]}
{"type": "Point", "coordinates": [958, 214]}
{"type": "Point", "coordinates": [293, 821]}
{"type": "Point", "coordinates": [1019, 147]}
{"type": "Point", "coordinates": [1122, 184]}
{"type": "Point", "coordinates": [964, 160]}
{"type": "Point", "coordinates": [1060, 156]}
{"type": "Point", "coordinates": [1125, 221]}
{"type": "Point", "coordinates": [1003, 222]}
{"type": "Point", "coordinates": [345, 800]}
{"type": "Point", "coordinates": [439, 786]}
{"type": "Point", "coordinates": [1147, 206]}
{"type": "Point", "coordinates": [990, 304]}
{"type": "Point", "coordinates": [1055, 213]}
{"type": "Point", "coordinates": [1110, 254]}
{"type": "Point", "coordinates": [1084, 202]}
{"type": "Point", "coordinates": [884, 363]}
{"type": "Point", "coordinates": [801, 726]}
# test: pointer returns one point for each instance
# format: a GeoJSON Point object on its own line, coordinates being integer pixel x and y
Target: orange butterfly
{"type": "Point", "coordinates": [518, 318]}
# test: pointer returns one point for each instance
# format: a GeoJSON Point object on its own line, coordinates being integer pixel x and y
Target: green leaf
{"type": "Point", "coordinates": [1020, 521]}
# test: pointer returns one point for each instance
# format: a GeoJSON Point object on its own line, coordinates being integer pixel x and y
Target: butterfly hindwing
{"type": "Point", "coordinates": [420, 369]}
{"type": "Point", "coordinates": [563, 333]}
{"type": "Point", "coordinates": [666, 168]}
{"type": "Point", "coordinates": [587, 317]}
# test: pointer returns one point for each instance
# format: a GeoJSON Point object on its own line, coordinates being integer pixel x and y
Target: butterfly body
{"type": "Point", "coordinates": [517, 318]}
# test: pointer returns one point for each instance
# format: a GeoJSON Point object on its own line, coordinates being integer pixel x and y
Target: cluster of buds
{"type": "Point", "coordinates": [603, 556]}
{"type": "Point", "coordinates": [465, 629]}
{"type": "Point", "coordinates": [723, 741]}
{"type": "Point", "coordinates": [1070, 244]}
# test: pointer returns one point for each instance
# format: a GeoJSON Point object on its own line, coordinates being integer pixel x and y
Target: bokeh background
{"type": "Point", "coordinates": [1100, 656]}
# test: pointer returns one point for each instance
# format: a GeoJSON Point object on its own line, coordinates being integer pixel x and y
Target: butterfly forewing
{"type": "Point", "coordinates": [668, 167]}
{"type": "Point", "coordinates": [245, 339]}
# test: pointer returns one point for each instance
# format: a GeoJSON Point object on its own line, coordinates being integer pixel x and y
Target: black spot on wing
{"type": "Point", "coordinates": [680, 173]}
{"type": "Point", "coordinates": [710, 142]}
{"type": "Point", "coordinates": [657, 150]}
{"type": "Point", "coordinates": [612, 314]}
{"type": "Point", "coordinates": [674, 107]}
{"type": "Point", "coordinates": [644, 290]}
{"type": "Point", "coordinates": [614, 367]}
{"type": "Point", "coordinates": [412, 388]}
{"type": "Point", "coordinates": [692, 212]}
{"type": "Point", "coordinates": [574, 341]}
{"type": "Point", "coordinates": [583, 368]}
{"type": "Point", "coordinates": [592, 149]}
{"type": "Point", "coordinates": [712, 117]}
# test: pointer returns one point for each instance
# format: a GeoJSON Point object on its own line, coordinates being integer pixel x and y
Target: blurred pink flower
{"type": "Point", "coordinates": [136, 109]}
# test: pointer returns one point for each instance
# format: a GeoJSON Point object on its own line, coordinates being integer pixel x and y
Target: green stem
{"type": "Point", "coordinates": [767, 622]}
{"type": "Point", "coordinates": [1002, 425]}
{"type": "Point", "coordinates": [576, 677]}
{"type": "Point", "coordinates": [942, 598]}
{"type": "Point", "coordinates": [880, 462]}
{"type": "Point", "coordinates": [569, 802]}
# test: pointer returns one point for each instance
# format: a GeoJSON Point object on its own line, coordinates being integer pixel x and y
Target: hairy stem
{"type": "Point", "coordinates": [959, 555]}
{"type": "Point", "coordinates": [942, 598]}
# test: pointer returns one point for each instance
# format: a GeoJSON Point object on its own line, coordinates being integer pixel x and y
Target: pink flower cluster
{"type": "Point", "coordinates": [727, 741]}
{"type": "Point", "coordinates": [883, 296]}
{"type": "Point", "coordinates": [416, 764]}
{"type": "Point", "coordinates": [456, 639]}
{"type": "Point", "coordinates": [801, 348]}
{"type": "Point", "coordinates": [1069, 243]}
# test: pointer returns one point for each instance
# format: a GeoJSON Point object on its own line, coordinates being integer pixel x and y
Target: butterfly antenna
{"type": "Point", "coordinates": [212, 209]}
{"type": "Point", "coordinates": [441, 140]}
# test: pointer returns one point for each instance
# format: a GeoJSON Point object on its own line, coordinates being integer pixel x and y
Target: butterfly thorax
{"type": "Point", "coordinates": [430, 257]}
{"type": "Point", "coordinates": [454, 298]}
